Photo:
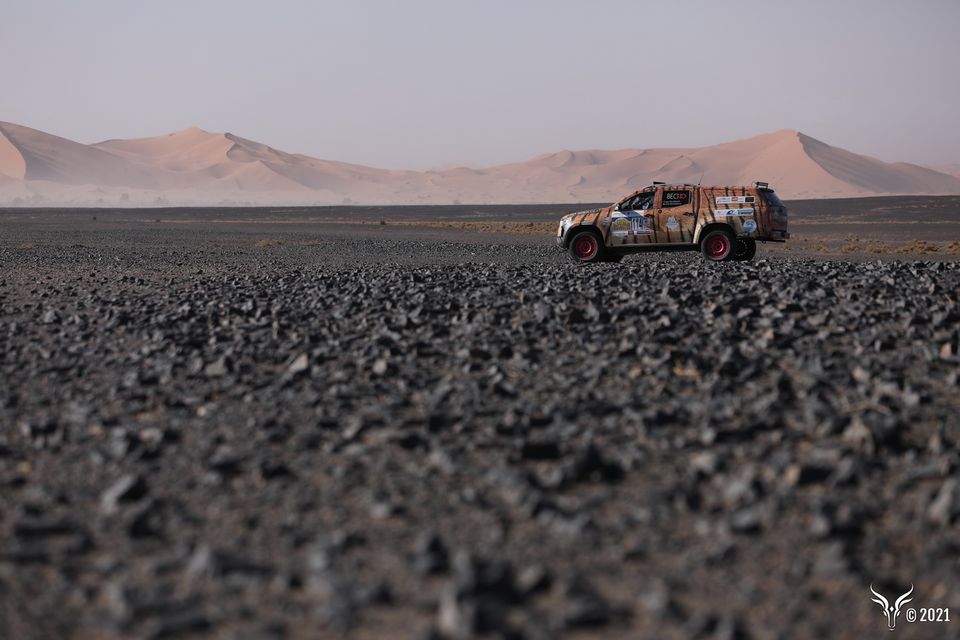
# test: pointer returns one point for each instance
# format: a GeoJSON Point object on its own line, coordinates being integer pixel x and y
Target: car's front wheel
{"type": "Point", "coordinates": [585, 247]}
{"type": "Point", "coordinates": [718, 245]}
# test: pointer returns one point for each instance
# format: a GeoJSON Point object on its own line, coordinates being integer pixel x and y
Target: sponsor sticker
{"type": "Point", "coordinates": [732, 213]}
{"type": "Point", "coordinates": [675, 198]}
{"type": "Point", "coordinates": [749, 226]}
{"type": "Point", "coordinates": [627, 225]}
{"type": "Point", "coordinates": [736, 199]}
{"type": "Point", "coordinates": [620, 226]}
{"type": "Point", "coordinates": [672, 224]}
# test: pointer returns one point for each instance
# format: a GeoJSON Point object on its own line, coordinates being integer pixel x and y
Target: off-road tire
{"type": "Point", "coordinates": [745, 249]}
{"type": "Point", "coordinates": [718, 245]}
{"type": "Point", "coordinates": [586, 246]}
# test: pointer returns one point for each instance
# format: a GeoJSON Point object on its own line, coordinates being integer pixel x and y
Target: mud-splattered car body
{"type": "Point", "coordinates": [680, 216]}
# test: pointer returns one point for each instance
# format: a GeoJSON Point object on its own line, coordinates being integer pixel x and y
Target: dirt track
{"type": "Point", "coordinates": [258, 429]}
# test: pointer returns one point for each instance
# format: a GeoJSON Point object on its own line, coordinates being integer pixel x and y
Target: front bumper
{"type": "Point", "coordinates": [561, 236]}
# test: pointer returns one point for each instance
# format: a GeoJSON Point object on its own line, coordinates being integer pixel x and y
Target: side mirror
{"type": "Point", "coordinates": [616, 207]}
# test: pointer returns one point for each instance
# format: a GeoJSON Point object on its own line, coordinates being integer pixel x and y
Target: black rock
{"type": "Point", "coordinates": [430, 555]}
{"type": "Point", "coordinates": [584, 606]}
{"type": "Point", "coordinates": [129, 488]}
{"type": "Point", "coordinates": [540, 450]}
{"type": "Point", "coordinates": [590, 464]}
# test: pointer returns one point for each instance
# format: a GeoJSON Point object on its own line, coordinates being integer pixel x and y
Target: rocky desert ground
{"type": "Point", "coordinates": [311, 424]}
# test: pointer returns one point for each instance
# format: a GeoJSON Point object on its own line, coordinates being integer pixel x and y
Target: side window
{"type": "Point", "coordinates": [646, 200]}
{"type": "Point", "coordinates": [639, 202]}
{"type": "Point", "coordinates": [771, 198]}
{"type": "Point", "coordinates": [675, 198]}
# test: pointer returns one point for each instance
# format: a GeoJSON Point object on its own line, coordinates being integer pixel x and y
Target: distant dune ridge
{"type": "Point", "coordinates": [949, 169]}
{"type": "Point", "coordinates": [194, 166]}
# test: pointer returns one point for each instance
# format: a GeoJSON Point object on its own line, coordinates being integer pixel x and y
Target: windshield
{"type": "Point", "coordinates": [771, 198]}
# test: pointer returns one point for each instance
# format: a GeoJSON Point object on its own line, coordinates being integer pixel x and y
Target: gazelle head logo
{"type": "Point", "coordinates": [891, 611]}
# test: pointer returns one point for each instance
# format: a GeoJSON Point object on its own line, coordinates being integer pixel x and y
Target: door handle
{"type": "Point", "coordinates": [688, 213]}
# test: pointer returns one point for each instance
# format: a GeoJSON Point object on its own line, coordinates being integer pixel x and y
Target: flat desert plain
{"type": "Point", "coordinates": [426, 422]}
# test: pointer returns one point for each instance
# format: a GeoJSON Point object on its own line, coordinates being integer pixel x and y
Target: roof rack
{"type": "Point", "coordinates": [657, 183]}
{"type": "Point", "coordinates": [762, 185]}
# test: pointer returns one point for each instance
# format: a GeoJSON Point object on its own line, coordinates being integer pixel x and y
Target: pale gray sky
{"type": "Point", "coordinates": [422, 83]}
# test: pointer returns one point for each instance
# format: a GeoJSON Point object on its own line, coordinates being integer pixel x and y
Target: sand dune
{"type": "Point", "coordinates": [194, 166]}
{"type": "Point", "coordinates": [949, 169]}
{"type": "Point", "coordinates": [50, 158]}
{"type": "Point", "coordinates": [12, 163]}
{"type": "Point", "coordinates": [189, 150]}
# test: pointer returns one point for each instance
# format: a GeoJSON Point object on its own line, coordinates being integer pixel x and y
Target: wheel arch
{"type": "Point", "coordinates": [702, 231]}
{"type": "Point", "coordinates": [574, 230]}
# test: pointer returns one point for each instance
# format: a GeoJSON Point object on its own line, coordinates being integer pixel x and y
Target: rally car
{"type": "Point", "coordinates": [724, 223]}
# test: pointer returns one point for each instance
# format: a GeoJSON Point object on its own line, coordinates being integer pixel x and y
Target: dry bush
{"type": "Point", "coordinates": [269, 243]}
{"type": "Point", "coordinates": [852, 246]}
{"type": "Point", "coordinates": [524, 228]}
{"type": "Point", "coordinates": [918, 246]}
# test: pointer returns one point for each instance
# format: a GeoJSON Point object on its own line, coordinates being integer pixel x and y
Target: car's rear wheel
{"type": "Point", "coordinates": [585, 247]}
{"type": "Point", "coordinates": [745, 250]}
{"type": "Point", "coordinates": [718, 245]}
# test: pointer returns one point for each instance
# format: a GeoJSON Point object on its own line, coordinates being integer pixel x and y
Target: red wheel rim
{"type": "Point", "coordinates": [718, 246]}
{"type": "Point", "coordinates": [585, 247]}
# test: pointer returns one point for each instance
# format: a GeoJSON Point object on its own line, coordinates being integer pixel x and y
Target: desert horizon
{"type": "Point", "coordinates": [195, 167]}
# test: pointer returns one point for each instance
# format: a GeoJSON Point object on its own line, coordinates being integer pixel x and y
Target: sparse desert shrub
{"type": "Point", "coordinates": [919, 246]}
{"type": "Point", "coordinates": [269, 243]}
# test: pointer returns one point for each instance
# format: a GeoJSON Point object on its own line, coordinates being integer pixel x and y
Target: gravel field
{"type": "Point", "coordinates": [290, 433]}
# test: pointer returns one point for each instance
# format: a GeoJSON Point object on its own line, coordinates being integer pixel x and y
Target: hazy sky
{"type": "Point", "coordinates": [424, 83]}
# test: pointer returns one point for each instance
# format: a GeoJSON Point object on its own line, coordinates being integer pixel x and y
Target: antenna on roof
{"type": "Point", "coordinates": [700, 181]}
